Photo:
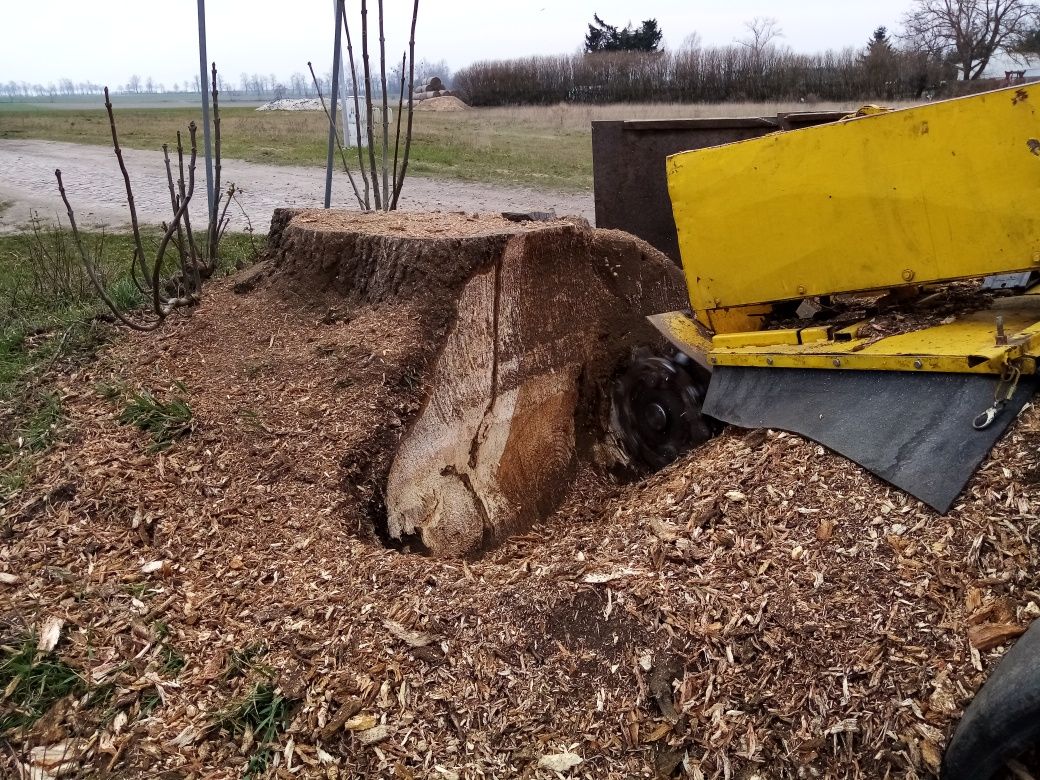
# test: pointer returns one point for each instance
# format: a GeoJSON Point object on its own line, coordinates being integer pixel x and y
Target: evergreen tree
{"type": "Point", "coordinates": [879, 41]}
{"type": "Point", "coordinates": [606, 37]}
{"type": "Point", "coordinates": [879, 63]}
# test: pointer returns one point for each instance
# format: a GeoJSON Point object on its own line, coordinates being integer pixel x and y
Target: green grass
{"type": "Point", "coordinates": [32, 682]}
{"type": "Point", "coordinates": [263, 712]}
{"type": "Point", "coordinates": [48, 320]}
{"type": "Point", "coordinates": [542, 146]}
{"type": "Point", "coordinates": [241, 661]}
{"type": "Point", "coordinates": [164, 420]}
{"type": "Point", "coordinates": [36, 418]}
{"type": "Point", "coordinates": [468, 145]}
{"type": "Point", "coordinates": [173, 661]}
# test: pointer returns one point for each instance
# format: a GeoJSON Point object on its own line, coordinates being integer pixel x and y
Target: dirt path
{"type": "Point", "coordinates": [95, 188]}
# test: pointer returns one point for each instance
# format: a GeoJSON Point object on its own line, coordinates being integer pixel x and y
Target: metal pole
{"type": "Point", "coordinates": [343, 79]}
{"type": "Point", "coordinates": [203, 81]}
{"type": "Point", "coordinates": [332, 99]}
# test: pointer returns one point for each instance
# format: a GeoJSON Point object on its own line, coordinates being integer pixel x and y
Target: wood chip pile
{"type": "Point", "coordinates": [762, 608]}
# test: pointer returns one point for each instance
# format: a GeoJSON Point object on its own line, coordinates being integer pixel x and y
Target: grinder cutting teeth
{"type": "Point", "coordinates": [656, 408]}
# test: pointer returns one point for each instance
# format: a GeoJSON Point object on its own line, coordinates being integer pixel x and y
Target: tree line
{"type": "Point", "coordinates": [248, 86]}
{"type": "Point", "coordinates": [943, 41]}
{"type": "Point", "coordinates": [704, 74]}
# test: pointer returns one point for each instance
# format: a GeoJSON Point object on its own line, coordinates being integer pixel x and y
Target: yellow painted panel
{"type": "Point", "coordinates": [967, 345]}
{"type": "Point", "coordinates": [942, 191]}
{"type": "Point", "coordinates": [758, 338]}
{"type": "Point", "coordinates": [685, 334]}
{"type": "Point", "coordinates": [814, 333]}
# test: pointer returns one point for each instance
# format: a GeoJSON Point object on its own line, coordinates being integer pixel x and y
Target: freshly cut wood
{"type": "Point", "coordinates": [528, 321]}
{"type": "Point", "coordinates": [537, 336]}
{"type": "Point", "coordinates": [427, 94]}
{"type": "Point", "coordinates": [986, 636]}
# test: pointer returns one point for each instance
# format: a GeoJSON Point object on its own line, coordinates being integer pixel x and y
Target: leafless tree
{"type": "Point", "coordinates": [691, 42]}
{"type": "Point", "coordinates": [426, 70]}
{"type": "Point", "coordinates": [969, 32]}
{"type": "Point", "coordinates": [762, 31]}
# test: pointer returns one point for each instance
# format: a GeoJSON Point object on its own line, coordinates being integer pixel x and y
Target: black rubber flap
{"type": "Point", "coordinates": [913, 430]}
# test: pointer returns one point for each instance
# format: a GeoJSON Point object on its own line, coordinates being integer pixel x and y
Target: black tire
{"type": "Point", "coordinates": [1003, 720]}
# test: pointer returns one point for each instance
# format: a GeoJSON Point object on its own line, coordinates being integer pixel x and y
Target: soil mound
{"type": "Point", "coordinates": [292, 104]}
{"type": "Point", "coordinates": [442, 103]}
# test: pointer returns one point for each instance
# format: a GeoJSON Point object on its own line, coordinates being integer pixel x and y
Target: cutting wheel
{"type": "Point", "coordinates": [656, 409]}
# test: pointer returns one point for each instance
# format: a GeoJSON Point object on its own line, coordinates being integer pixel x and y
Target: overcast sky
{"type": "Point", "coordinates": [106, 41]}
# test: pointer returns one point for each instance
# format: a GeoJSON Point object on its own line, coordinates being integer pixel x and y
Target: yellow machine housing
{"type": "Point", "coordinates": [889, 203]}
{"type": "Point", "coordinates": [885, 200]}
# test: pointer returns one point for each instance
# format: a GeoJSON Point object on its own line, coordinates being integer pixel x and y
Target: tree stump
{"type": "Point", "coordinates": [527, 324]}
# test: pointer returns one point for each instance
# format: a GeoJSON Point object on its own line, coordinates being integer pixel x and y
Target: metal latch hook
{"type": "Point", "coordinates": [1008, 377]}
{"type": "Point", "coordinates": [984, 420]}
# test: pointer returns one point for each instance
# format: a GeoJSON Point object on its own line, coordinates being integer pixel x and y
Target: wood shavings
{"type": "Point", "coordinates": [559, 762]}
{"type": "Point", "coordinates": [660, 623]}
{"type": "Point", "coordinates": [50, 633]}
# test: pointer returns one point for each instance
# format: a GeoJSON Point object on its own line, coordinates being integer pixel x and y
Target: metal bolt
{"type": "Point", "coordinates": [837, 363]}
{"type": "Point", "coordinates": [918, 364]}
{"type": "Point", "coordinates": [769, 361]}
{"type": "Point", "coordinates": [1001, 335]}
{"type": "Point", "coordinates": [801, 290]}
{"type": "Point", "coordinates": [714, 360]}
{"type": "Point", "coordinates": [908, 275]}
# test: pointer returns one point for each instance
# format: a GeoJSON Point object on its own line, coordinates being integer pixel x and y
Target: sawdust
{"type": "Point", "coordinates": [760, 607]}
{"type": "Point", "coordinates": [427, 224]}
{"type": "Point", "coordinates": [442, 103]}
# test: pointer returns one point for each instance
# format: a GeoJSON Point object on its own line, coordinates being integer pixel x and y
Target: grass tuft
{"type": "Point", "coordinates": [264, 713]}
{"type": "Point", "coordinates": [125, 295]}
{"type": "Point", "coordinates": [164, 420]}
{"type": "Point", "coordinates": [173, 661]}
{"type": "Point", "coordinates": [37, 425]}
{"type": "Point", "coordinates": [31, 683]}
{"type": "Point", "coordinates": [241, 661]}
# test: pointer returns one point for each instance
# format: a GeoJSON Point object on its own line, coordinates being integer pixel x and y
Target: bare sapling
{"type": "Point", "coordinates": [399, 175]}
{"type": "Point", "coordinates": [368, 106]}
{"type": "Point", "coordinates": [213, 229]}
{"type": "Point", "coordinates": [382, 177]}
{"type": "Point", "coordinates": [357, 105]}
{"type": "Point", "coordinates": [167, 290]}
{"type": "Point", "coordinates": [385, 108]}
{"type": "Point", "coordinates": [362, 201]}
{"type": "Point", "coordinates": [400, 105]}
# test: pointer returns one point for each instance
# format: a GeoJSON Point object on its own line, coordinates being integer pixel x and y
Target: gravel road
{"type": "Point", "coordinates": [95, 188]}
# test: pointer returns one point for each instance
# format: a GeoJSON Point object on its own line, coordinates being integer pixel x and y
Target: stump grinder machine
{"type": "Point", "coordinates": [870, 283]}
